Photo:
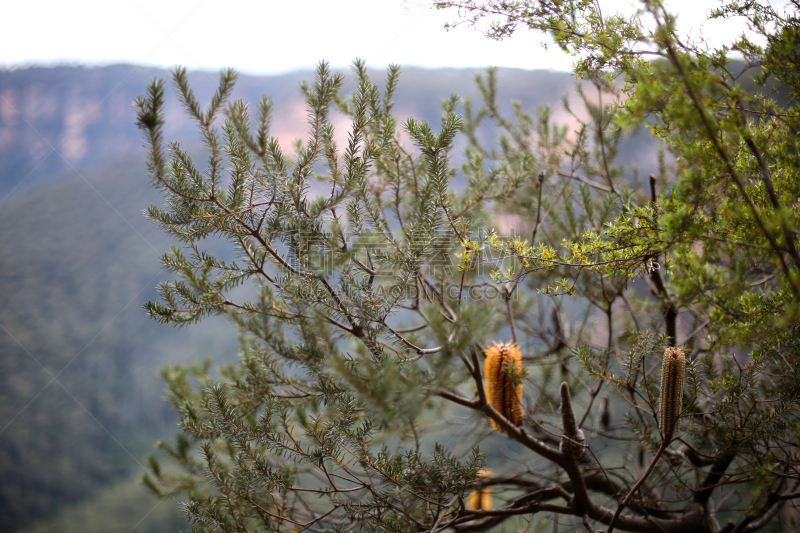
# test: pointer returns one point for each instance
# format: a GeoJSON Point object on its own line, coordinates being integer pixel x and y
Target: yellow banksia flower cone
{"type": "Point", "coordinates": [501, 392]}
{"type": "Point", "coordinates": [480, 498]}
{"type": "Point", "coordinates": [673, 371]}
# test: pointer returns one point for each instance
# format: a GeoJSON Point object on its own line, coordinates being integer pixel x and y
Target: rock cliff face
{"type": "Point", "coordinates": [52, 119]}
{"type": "Point", "coordinates": [64, 120]}
{"type": "Point", "coordinates": [60, 120]}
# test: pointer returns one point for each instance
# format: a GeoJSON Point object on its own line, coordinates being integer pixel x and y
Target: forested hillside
{"type": "Point", "coordinates": [80, 397]}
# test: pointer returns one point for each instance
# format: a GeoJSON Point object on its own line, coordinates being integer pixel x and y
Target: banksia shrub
{"type": "Point", "coordinates": [502, 373]}
{"type": "Point", "coordinates": [672, 376]}
{"type": "Point", "coordinates": [572, 441]}
{"type": "Point", "coordinates": [480, 498]}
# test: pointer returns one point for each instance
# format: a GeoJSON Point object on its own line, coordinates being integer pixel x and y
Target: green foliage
{"type": "Point", "coordinates": [327, 268]}
{"type": "Point", "coordinates": [361, 281]}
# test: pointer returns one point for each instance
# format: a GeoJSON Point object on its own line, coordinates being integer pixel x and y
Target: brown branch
{"type": "Point", "coordinates": [711, 481]}
{"type": "Point", "coordinates": [670, 309]}
{"type": "Point", "coordinates": [642, 479]}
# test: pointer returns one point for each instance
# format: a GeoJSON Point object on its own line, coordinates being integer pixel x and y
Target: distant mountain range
{"type": "Point", "coordinates": [56, 121]}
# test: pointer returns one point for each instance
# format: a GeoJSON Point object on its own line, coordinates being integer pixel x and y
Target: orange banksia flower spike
{"type": "Point", "coordinates": [502, 367]}
{"type": "Point", "coordinates": [480, 498]}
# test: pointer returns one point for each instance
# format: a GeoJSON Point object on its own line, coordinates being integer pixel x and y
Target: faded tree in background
{"type": "Point", "coordinates": [405, 367]}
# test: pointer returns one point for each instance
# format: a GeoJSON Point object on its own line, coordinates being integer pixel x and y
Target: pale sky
{"type": "Point", "coordinates": [270, 36]}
